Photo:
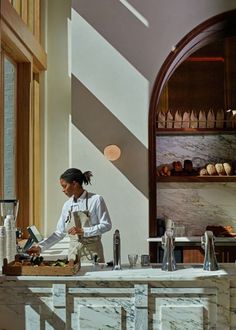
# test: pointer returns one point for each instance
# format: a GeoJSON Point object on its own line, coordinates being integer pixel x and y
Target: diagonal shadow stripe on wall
{"type": "Point", "coordinates": [102, 128]}
{"type": "Point", "coordinates": [111, 19]}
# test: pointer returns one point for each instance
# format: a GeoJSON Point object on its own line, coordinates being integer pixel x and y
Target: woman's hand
{"type": "Point", "coordinates": [34, 250]}
{"type": "Point", "coordinates": [76, 230]}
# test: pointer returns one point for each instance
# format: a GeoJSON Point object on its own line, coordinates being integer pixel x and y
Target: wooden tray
{"type": "Point", "coordinates": [16, 268]}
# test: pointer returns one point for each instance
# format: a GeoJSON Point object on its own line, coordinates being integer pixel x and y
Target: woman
{"type": "Point", "coordinates": [84, 217]}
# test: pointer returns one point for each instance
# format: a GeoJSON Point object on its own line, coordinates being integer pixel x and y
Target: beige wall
{"type": "Point", "coordinates": [115, 56]}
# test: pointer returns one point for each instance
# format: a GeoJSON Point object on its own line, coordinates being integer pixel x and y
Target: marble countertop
{"type": "Point", "coordinates": [184, 272]}
{"type": "Point", "coordinates": [196, 239]}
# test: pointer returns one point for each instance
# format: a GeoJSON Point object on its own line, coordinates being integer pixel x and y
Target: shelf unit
{"type": "Point", "coordinates": [207, 178]}
{"type": "Point", "coordinates": [193, 253]}
{"type": "Point", "coordinates": [193, 131]}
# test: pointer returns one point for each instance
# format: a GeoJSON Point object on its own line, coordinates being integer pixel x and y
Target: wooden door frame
{"type": "Point", "coordinates": [215, 28]}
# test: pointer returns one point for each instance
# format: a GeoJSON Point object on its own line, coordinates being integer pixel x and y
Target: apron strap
{"type": "Point", "coordinates": [86, 201]}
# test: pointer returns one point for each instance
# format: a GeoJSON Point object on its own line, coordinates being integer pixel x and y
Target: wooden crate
{"type": "Point", "coordinates": [16, 268]}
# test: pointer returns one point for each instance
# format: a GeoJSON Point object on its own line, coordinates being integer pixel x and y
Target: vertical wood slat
{"type": "Point", "coordinates": [36, 161]}
{"type": "Point", "coordinates": [24, 11]}
{"type": "Point", "coordinates": [31, 15]}
{"type": "Point", "coordinates": [1, 123]}
{"type": "Point", "coordinates": [37, 19]}
{"type": "Point", "coordinates": [24, 184]}
{"type": "Point", "coordinates": [230, 72]}
{"type": "Point", "coordinates": [15, 124]}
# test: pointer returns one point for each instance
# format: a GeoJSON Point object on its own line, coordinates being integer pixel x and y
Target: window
{"type": "Point", "coordinates": [9, 128]}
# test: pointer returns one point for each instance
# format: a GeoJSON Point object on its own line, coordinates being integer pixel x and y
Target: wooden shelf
{"type": "Point", "coordinates": [183, 131]}
{"type": "Point", "coordinates": [207, 178]}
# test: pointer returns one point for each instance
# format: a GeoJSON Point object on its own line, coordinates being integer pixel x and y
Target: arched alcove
{"type": "Point", "coordinates": [213, 29]}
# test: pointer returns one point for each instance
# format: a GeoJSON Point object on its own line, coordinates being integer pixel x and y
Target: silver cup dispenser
{"type": "Point", "coordinates": [8, 216]}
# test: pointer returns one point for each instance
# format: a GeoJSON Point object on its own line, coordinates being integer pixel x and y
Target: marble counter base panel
{"type": "Point", "coordinates": [130, 299]}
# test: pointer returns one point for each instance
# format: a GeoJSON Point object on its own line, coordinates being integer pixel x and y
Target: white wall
{"type": "Point", "coordinates": [57, 105]}
{"type": "Point", "coordinates": [118, 48]}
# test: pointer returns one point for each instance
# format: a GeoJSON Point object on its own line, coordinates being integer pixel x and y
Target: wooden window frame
{"type": "Point", "coordinates": [21, 45]}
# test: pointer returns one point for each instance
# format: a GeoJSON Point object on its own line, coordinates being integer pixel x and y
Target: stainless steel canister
{"type": "Point", "coordinates": [145, 260]}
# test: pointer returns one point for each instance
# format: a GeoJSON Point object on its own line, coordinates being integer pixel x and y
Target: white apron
{"type": "Point", "coordinates": [83, 248]}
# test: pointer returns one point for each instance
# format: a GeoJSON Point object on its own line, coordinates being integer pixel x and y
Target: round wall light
{"type": "Point", "coordinates": [112, 152]}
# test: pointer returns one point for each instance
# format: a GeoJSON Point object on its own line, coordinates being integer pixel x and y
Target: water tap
{"type": "Point", "coordinates": [116, 251]}
{"type": "Point", "coordinates": [168, 262]}
{"type": "Point", "coordinates": [207, 241]}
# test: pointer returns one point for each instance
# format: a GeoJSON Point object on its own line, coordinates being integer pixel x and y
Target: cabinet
{"type": "Point", "coordinates": [197, 201]}
{"type": "Point", "coordinates": [195, 254]}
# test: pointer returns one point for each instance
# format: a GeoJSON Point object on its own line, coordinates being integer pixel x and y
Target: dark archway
{"type": "Point", "coordinates": [215, 28]}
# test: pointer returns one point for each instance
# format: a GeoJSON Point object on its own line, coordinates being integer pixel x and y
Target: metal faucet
{"type": "Point", "coordinates": [116, 251]}
{"type": "Point", "coordinates": [168, 262]}
{"type": "Point", "coordinates": [207, 241]}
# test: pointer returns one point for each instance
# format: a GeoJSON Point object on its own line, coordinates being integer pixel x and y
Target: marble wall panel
{"type": "Point", "coordinates": [102, 312]}
{"type": "Point", "coordinates": [197, 205]}
{"type": "Point", "coordinates": [201, 149]}
{"type": "Point", "coordinates": [182, 317]}
{"type": "Point", "coordinates": [192, 311]}
{"type": "Point", "coordinates": [100, 317]}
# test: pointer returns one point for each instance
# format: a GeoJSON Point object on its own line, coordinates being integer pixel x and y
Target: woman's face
{"type": "Point", "coordinates": [69, 188]}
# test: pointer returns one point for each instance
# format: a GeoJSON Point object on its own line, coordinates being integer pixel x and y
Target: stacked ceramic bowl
{"type": "Point", "coordinates": [9, 224]}
{"type": "Point", "coordinates": [2, 245]}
